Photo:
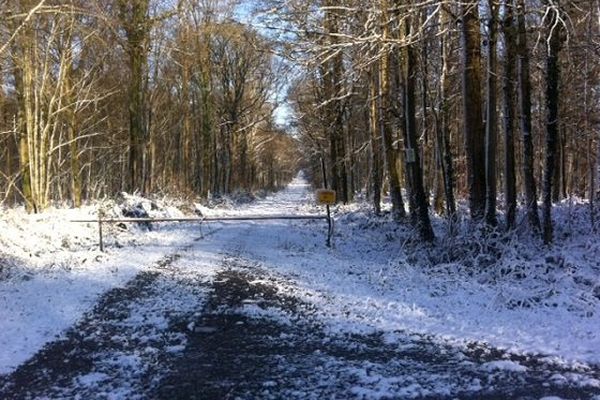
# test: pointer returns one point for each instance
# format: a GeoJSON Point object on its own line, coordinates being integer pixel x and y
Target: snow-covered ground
{"type": "Point", "coordinates": [51, 270]}
{"type": "Point", "coordinates": [511, 292]}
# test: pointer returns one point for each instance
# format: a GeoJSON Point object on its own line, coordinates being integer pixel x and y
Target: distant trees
{"type": "Point", "coordinates": [48, 94]}
{"type": "Point", "coordinates": [108, 95]}
{"type": "Point", "coordinates": [414, 68]}
{"type": "Point", "coordinates": [401, 99]}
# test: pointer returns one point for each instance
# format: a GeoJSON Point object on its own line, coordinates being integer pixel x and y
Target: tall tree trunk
{"type": "Point", "coordinates": [136, 24]}
{"type": "Point", "coordinates": [558, 166]}
{"type": "Point", "coordinates": [427, 167]}
{"type": "Point", "coordinates": [531, 207]}
{"type": "Point", "coordinates": [510, 183]}
{"type": "Point", "coordinates": [72, 121]}
{"type": "Point", "coordinates": [21, 128]}
{"type": "Point", "coordinates": [136, 123]}
{"type": "Point", "coordinates": [444, 134]}
{"type": "Point", "coordinates": [491, 119]}
{"type": "Point", "coordinates": [375, 141]}
{"type": "Point", "coordinates": [334, 85]}
{"type": "Point", "coordinates": [227, 158]}
{"type": "Point", "coordinates": [22, 48]}
{"type": "Point", "coordinates": [72, 129]}
{"type": "Point", "coordinates": [420, 212]}
{"type": "Point", "coordinates": [552, 78]}
{"type": "Point", "coordinates": [208, 134]}
{"type": "Point", "coordinates": [385, 117]}
{"type": "Point", "coordinates": [186, 172]}
{"type": "Point", "coordinates": [592, 166]}
{"type": "Point", "coordinates": [472, 114]}
{"type": "Point", "coordinates": [438, 168]}
{"type": "Point", "coordinates": [348, 154]}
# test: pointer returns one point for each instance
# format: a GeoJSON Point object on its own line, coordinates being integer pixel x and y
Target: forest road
{"type": "Point", "coordinates": [247, 340]}
{"type": "Point", "coordinates": [217, 320]}
{"type": "Point", "coordinates": [237, 354]}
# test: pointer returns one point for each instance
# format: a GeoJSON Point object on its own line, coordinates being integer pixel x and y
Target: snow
{"type": "Point", "coordinates": [377, 279]}
{"type": "Point", "coordinates": [512, 293]}
{"type": "Point", "coordinates": [504, 365]}
{"type": "Point", "coordinates": [51, 272]}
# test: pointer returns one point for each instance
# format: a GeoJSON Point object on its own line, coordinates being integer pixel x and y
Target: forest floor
{"type": "Point", "coordinates": [264, 310]}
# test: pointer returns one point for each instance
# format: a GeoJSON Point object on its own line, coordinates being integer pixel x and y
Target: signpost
{"type": "Point", "coordinates": [327, 197]}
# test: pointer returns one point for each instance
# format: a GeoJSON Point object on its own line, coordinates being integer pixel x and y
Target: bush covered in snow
{"type": "Point", "coordinates": [49, 241]}
{"type": "Point", "coordinates": [523, 271]}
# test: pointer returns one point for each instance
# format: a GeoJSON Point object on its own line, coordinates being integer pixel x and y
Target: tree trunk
{"type": "Point", "coordinates": [531, 207]}
{"type": "Point", "coordinates": [473, 126]}
{"type": "Point", "coordinates": [556, 178]}
{"type": "Point", "coordinates": [420, 213]}
{"type": "Point", "coordinates": [510, 183]}
{"type": "Point", "coordinates": [491, 119]}
{"type": "Point", "coordinates": [334, 70]}
{"type": "Point", "coordinates": [552, 78]}
{"type": "Point", "coordinates": [385, 117]}
{"type": "Point", "coordinates": [72, 129]}
{"type": "Point", "coordinates": [375, 141]}
{"type": "Point", "coordinates": [186, 172]}
{"type": "Point", "coordinates": [208, 148]}
{"type": "Point", "coordinates": [444, 134]}
{"type": "Point", "coordinates": [21, 127]}
{"type": "Point", "coordinates": [136, 25]}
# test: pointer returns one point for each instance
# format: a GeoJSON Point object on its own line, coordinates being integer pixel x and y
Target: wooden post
{"type": "Point", "coordinates": [100, 214]}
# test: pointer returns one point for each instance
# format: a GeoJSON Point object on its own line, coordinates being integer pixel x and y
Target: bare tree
{"type": "Point", "coordinates": [472, 106]}
{"type": "Point", "coordinates": [531, 207]}
{"type": "Point", "coordinates": [135, 20]}
{"type": "Point", "coordinates": [508, 106]}
{"type": "Point", "coordinates": [491, 119]}
{"type": "Point", "coordinates": [420, 212]}
{"type": "Point", "coordinates": [554, 27]}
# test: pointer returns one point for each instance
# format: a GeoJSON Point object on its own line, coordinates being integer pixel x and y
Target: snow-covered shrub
{"type": "Point", "coordinates": [516, 265]}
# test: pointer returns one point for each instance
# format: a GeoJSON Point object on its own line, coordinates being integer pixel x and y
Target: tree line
{"type": "Point", "coordinates": [430, 102]}
{"type": "Point", "coordinates": [436, 101]}
{"type": "Point", "coordinates": [101, 96]}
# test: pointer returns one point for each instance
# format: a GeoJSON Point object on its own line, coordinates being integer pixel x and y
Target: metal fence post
{"type": "Point", "coordinates": [100, 214]}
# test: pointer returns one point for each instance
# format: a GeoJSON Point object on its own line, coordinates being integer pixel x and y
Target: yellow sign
{"type": "Point", "coordinates": [325, 196]}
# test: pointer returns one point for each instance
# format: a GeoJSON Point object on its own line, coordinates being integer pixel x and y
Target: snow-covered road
{"type": "Point", "coordinates": [265, 310]}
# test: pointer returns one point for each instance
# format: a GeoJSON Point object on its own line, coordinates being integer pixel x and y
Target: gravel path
{"type": "Point", "coordinates": [236, 336]}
